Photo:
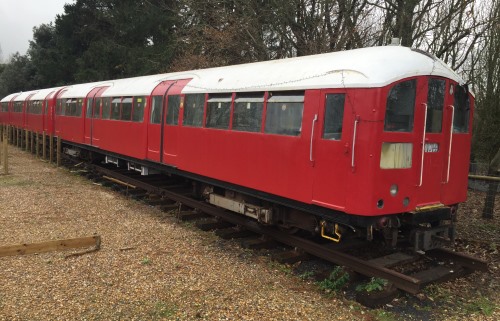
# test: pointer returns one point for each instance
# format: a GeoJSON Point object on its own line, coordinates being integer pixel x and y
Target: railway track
{"type": "Point", "coordinates": [397, 267]}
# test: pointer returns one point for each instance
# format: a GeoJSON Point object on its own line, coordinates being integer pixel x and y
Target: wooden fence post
{"type": "Point", "coordinates": [489, 202]}
{"type": "Point", "coordinates": [58, 152]}
{"type": "Point", "coordinates": [51, 149]}
{"type": "Point", "coordinates": [5, 155]}
{"type": "Point", "coordinates": [44, 146]}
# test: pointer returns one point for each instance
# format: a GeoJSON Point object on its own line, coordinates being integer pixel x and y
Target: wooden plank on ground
{"type": "Point", "coordinates": [49, 246]}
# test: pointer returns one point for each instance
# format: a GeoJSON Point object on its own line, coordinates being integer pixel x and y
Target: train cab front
{"type": "Point", "coordinates": [420, 174]}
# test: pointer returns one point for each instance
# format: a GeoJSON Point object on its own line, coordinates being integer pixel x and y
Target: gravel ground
{"type": "Point", "coordinates": [152, 267]}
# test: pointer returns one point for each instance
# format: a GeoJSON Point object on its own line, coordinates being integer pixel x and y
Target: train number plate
{"type": "Point", "coordinates": [431, 147]}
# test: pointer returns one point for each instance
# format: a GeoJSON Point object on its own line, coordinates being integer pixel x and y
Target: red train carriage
{"type": "Point", "coordinates": [17, 112]}
{"type": "Point", "coordinates": [347, 143]}
{"type": "Point", "coordinates": [5, 106]}
{"type": "Point", "coordinates": [40, 111]}
{"type": "Point", "coordinates": [69, 123]}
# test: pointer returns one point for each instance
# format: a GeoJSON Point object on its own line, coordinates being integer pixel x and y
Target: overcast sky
{"type": "Point", "coordinates": [17, 19]}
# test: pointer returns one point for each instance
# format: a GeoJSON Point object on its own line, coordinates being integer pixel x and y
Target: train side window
{"type": "Point", "coordinates": [69, 107]}
{"type": "Point", "coordinates": [284, 113]}
{"type": "Point", "coordinates": [106, 107]}
{"type": "Point", "coordinates": [193, 110]}
{"type": "Point", "coordinates": [59, 108]}
{"type": "Point", "coordinates": [126, 109]}
{"type": "Point", "coordinates": [218, 111]}
{"type": "Point", "coordinates": [78, 107]}
{"type": "Point", "coordinates": [156, 110]}
{"type": "Point", "coordinates": [462, 110]}
{"type": "Point", "coordinates": [97, 108]}
{"type": "Point", "coordinates": [173, 106]}
{"type": "Point", "coordinates": [138, 111]}
{"type": "Point", "coordinates": [18, 107]}
{"type": "Point", "coordinates": [88, 114]}
{"type": "Point", "coordinates": [115, 108]}
{"type": "Point", "coordinates": [400, 107]}
{"type": "Point", "coordinates": [334, 116]}
{"type": "Point", "coordinates": [247, 115]}
{"type": "Point", "coordinates": [435, 103]}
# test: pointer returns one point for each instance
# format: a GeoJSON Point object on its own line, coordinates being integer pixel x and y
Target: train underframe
{"type": "Point", "coordinates": [422, 230]}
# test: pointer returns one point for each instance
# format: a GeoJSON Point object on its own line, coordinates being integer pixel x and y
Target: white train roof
{"type": "Point", "coordinates": [23, 95]}
{"type": "Point", "coordinates": [43, 93]}
{"type": "Point", "coordinates": [137, 86]}
{"type": "Point", "coordinates": [81, 90]}
{"type": "Point", "coordinates": [359, 68]}
{"type": "Point", "coordinates": [9, 97]}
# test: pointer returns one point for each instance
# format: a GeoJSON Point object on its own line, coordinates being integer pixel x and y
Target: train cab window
{"type": "Point", "coordinates": [97, 107]}
{"type": "Point", "coordinates": [115, 108]}
{"type": "Point", "coordinates": [138, 111]}
{"type": "Point", "coordinates": [156, 110]}
{"type": "Point", "coordinates": [284, 113]}
{"type": "Point", "coordinates": [126, 109]}
{"type": "Point", "coordinates": [462, 110]}
{"type": "Point", "coordinates": [334, 116]}
{"type": "Point", "coordinates": [5, 107]}
{"type": "Point", "coordinates": [435, 103]}
{"type": "Point", "coordinates": [247, 115]}
{"type": "Point", "coordinates": [400, 107]}
{"type": "Point", "coordinates": [193, 110]}
{"type": "Point", "coordinates": [106, 107]}
{"type": "Point", "coordinates": [173, 106]}
{"type": "Point", "coordinates": [218, 111]}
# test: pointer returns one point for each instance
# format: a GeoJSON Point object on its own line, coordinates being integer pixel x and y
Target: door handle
{"type": "Point", "coordinates": [312, 138]}
{"type": "Point", "coordinates": [423, 147]}
{"type": "Point", "coordinates": [451, 141]}
{"type": "Point", "coordinates": [356, 121]}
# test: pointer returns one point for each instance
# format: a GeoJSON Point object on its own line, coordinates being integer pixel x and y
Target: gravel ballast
{"type": "Point", "coordinates": [150, 267]}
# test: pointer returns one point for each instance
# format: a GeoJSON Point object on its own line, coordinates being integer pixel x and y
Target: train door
{"type": "Point", "coordinates": [173, 119]}
{"type": "Point", "coordinates": [329, 152]}
{"type": "Point", "coordinates": [429, 139]}
{"type": "Point", "coordinates": [164, 120]}
{"type": "Point", "coordinates": [89, 113]}
{"type": "Point", "coordinates": [156, 120]}
{"type": "Point", "coordinates": [456, 143]}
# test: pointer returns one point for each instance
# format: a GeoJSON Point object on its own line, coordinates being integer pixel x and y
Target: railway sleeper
{"type": "Point", "coordinates": [233, 233]}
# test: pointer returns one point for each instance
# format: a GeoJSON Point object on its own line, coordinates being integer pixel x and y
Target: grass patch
{"type": "Point", "coordinates": [381, 315]}
{"type": "Point", "coordinates": [481, 305]}
{"type": "Point", "coordinates": [146, 261]}
{"type": "Point", "coordinates": [12, 181]}
{"type": "Point", "coordinates": [162, 310]}
{"type": "Point", "coordinates": [336, 281]}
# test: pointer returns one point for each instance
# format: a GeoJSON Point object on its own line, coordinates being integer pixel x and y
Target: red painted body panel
{"type": "Point", "coordinates": [126, 138]}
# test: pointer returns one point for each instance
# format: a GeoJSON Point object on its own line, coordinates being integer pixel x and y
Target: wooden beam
{"type": "Point", "coordinates": [485, 178]}
{"type": "Point", "coordinates": [49, 246]}
{"type": "Point", "coordinates": [119, 182]}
